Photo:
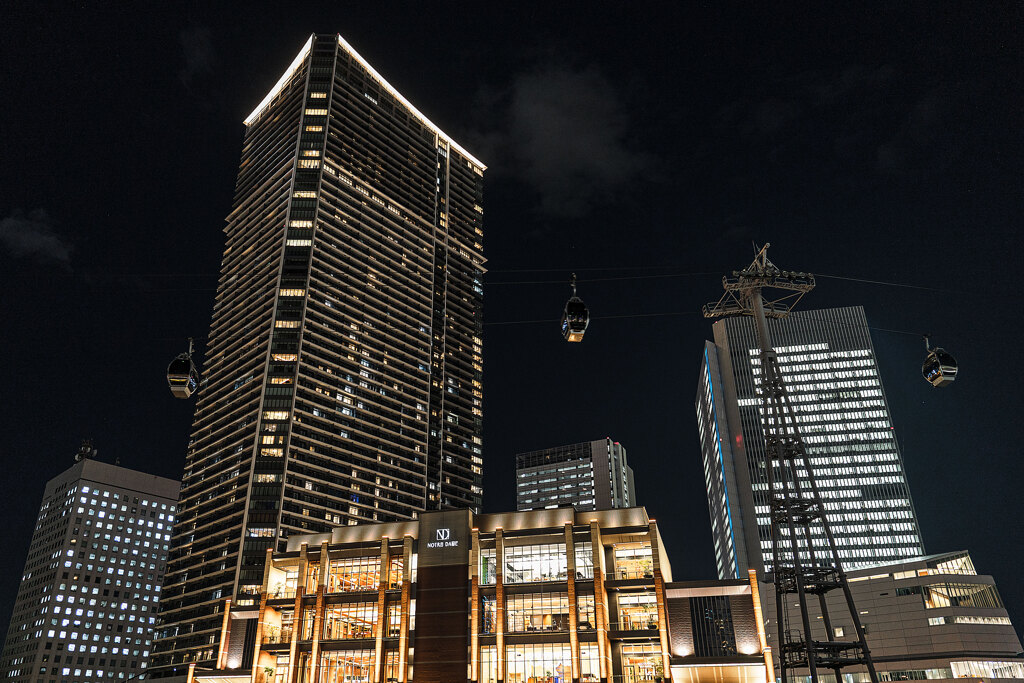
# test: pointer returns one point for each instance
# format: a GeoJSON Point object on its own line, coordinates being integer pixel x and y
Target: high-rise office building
{"type": "Point", "coordinates": [592, 475]}
{"type": "Point", "coordinates": [343, 369]}
{"type": "Point", "coordinates": [86, 607]}
{"type": "Point", "coordinates": [828, 362]}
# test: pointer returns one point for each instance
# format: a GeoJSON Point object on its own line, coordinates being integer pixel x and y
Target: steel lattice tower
{"type": "Point", "coordinates": [802, 564]}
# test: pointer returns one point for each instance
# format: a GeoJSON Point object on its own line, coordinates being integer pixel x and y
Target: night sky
{"type": "Point", "coordinates": [643, 145]}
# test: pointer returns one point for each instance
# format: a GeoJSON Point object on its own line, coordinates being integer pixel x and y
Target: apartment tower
{"type": "Point", "coordinates": [828, 362]}
{"type": "Point", "coordinates": [592, 475]}
{"type": "Point", "coordinates": [86, 606]}
{"type": "Point", "coordinates": [343, 368]}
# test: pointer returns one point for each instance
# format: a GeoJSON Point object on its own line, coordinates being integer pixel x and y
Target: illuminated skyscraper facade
{"type": "Point", "coordinates": [828, 362]}
{"type": "Point", "coordinates": [343, 370]}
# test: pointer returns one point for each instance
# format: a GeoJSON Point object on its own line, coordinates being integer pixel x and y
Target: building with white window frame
{"type": "Point", "coordinates": [593, 475]}
{"type": "Point", "coordinates": [87, 603]}
{"type": "Point", "coordinates": [831, 373]}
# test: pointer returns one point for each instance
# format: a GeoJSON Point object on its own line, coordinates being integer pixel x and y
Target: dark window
{"type": "Point", "coordinates": [713, 632]}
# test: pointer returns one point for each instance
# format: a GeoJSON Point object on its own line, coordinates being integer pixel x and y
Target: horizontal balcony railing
{"type": "Point", "coordinates": [631, 574]}
{"type": "Point", "coordinates": [277, 636]}
{"type": "Point", "coordinates": [634, 624]}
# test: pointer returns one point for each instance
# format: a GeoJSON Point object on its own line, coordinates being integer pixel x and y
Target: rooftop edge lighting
{"type": "Point", "coordinates": [281, 83]}
{"type": "Point", "coordinates": [377, 77]}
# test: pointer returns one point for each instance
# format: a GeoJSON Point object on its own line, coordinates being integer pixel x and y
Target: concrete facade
{"type": "Point", "coordinates": [86, 607]}
{"type": "Point", "coordinates": [929, 618]}
{"type": "Point", "coordinates": [593, 475]}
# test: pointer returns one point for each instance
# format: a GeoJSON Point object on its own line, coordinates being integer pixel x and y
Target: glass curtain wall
{"type": "Point", "coordinates": [353, 574]}
{"type": "Point", "coordinates": [346, 666]}
{"type": "Point", "coordinates": [350, 620]}
{"type": "Point", "coordinates": [548, 663]}
{"type": "Point", "coordinates": [542, 562]}
{"type": "Point", "coordinates": [584, 560]}
{"type": "Point", "coordinates": [641, 663]}
{"type": "Point", "coordinates": [585, 612]}
{"type": "Point", "coordinates": [537, 612]}
{"type": "Point", "coordinates": [634, 561]}
{"type": "Point", "coordinates": [638, 611]}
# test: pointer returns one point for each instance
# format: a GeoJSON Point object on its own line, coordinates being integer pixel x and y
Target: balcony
{"type": "Point", "coordinates": [633, 574]}
{"type": "Point", "coordinates": [636, 623]}
{"type": "Point", "coordinates": [281, 593]}
{"type": "Point", "coordinates": [276, 636]}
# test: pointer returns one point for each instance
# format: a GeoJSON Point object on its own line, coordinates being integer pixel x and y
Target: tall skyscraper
{"type": "Point", "coordinates": [343, 369]}
{"type": "Point", "coordinates": [592, 475]}
{"type": "Point", "coordinates": [828, 362]}
{"type": "Point", "coordinates": [86, 607]}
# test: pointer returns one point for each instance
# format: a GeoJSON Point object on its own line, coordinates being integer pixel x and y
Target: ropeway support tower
{"type": "Point", "coordinates": [805, 560]}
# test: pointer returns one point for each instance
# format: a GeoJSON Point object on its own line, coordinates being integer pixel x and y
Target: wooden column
{"type": "Point", "coordinates": [318, 613]}
{"type": "Point", "coordinates": [755, 595]}
{"type": "Point", "coordinates": [474, 607]}
{"type": "Point", "coordinates": [600, 602]}
{"type": "Point", "coordinates": [403, 630]}
{"type": "Point", "coordinates": [570, 570]}
{"type": "Point", "coordinates": [225, 636]}
{"type": "Point", "coordinates": [382, 613]}
{"type": "Point", "coordinates": [499, 602]}
{"type": "Point", "coordinates": [225, 630]}
{"type": "Point", "coordinates": [300, 590]}
{"type": "Point", "coordinates": [659, 595]}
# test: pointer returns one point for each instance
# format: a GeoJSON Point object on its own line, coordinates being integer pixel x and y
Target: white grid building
{"type": "Point", "coordinates": [86, 607]}
{"type": "Point", "coordinates": [828, 362]}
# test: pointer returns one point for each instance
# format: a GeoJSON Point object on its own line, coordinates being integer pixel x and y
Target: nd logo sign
{"type": "Point", "coordinates": [443, 539]}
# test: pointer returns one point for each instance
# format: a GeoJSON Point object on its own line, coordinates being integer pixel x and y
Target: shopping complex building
{"type": "Point", "coordinates": [547, 596]}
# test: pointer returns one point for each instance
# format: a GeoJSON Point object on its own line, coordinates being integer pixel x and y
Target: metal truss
{"type": "Point", "coordinates": [803, 563]}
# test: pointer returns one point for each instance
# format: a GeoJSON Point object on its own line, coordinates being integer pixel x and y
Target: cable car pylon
{"type": "Point", "coordinates": [800, 565]}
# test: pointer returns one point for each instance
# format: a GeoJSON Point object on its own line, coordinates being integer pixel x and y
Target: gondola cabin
{"type": "Point", "coordinates": [575, 320]}
{"type": "Point", "coordinates": [939, 367]}
{"type": "Point", "coordinates": [182, 376]}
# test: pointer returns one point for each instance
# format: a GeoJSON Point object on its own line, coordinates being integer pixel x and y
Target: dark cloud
{"type": "Point", "coordinates": [197, 48]}
{"type": "Point", "coordinates": [33, 236]}
{"type": "Point", "coordinates": [564, 132]}
{"type": "Point", "coordinates": [925, 141]}
{"type": "Point", "coordinates": [878, 119]}
{"type": "Point", "coordinates": [774, 114]}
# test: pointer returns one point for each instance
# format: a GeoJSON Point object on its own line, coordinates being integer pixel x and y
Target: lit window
{"type": "Point", "coordinates": [289, 292]}
{"type": "Point", "coordinates": [317, 95]}
{"type": "Point", "coordinates": [316, 112]}
{"type": "Point", "coordinates": [300, 224]}
{"type": "Point", "coordinates": [299, 243]}
{"type": "Point", "coordinates": [314, 129]}
{"type": "Point", "coordinates": [285, 357]}
{"type": "Point", "coordinates": [305, 194]}
{"type": "Point", "coordinates": [261, 533]}
{"type": "Point", "coordinates": [309, 163]}
{"type": "Point", "coordinates": [286, 323]}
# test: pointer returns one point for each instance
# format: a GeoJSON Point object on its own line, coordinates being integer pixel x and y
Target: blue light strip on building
{"type": "Point", "coordinates": [721, 462]}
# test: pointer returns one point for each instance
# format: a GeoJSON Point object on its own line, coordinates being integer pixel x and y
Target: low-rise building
{"type": "Point", "coordinates": [549, 596]}
{"type": "Point", "coordinates": [932, 617]}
